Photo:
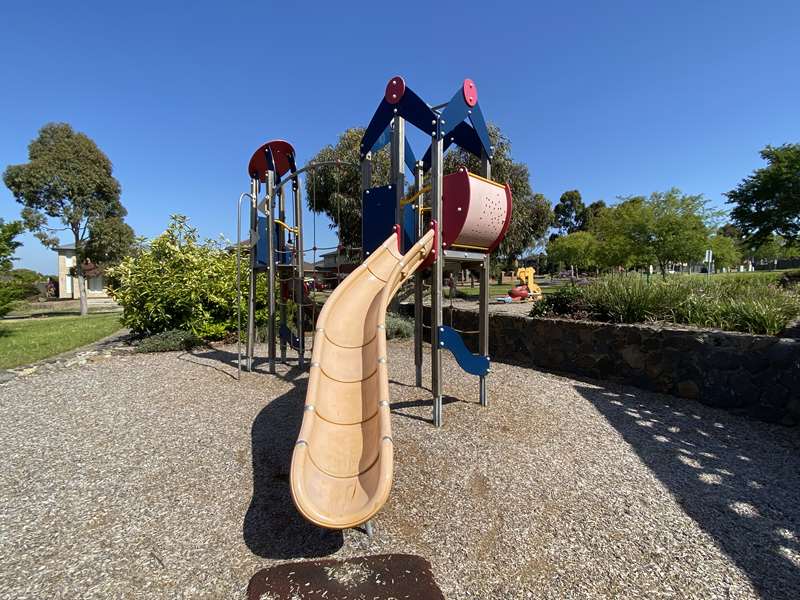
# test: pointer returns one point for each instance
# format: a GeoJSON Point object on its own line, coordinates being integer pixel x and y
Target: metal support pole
{"type": "Point", "coordinates": [418, 312]}
{"type": "Point", "coordinates": [239, 283]}
{"type": "Point", "coordinates": [398, 179]}
{"type": "Point", "coordinates": [436, 278]}
{"type": "Point", "coordinates": [483, 309]}
{"type": "Point", "coordinates": [298, 248]}
{"type": "Point", "coordinates": [282, 253]}
{"type": "Point", "coordinates": [398, 176]}
{"type": "Point", "coordinates": [368, 528]}
{"type": "Point", "coordinates": [271, 265]}
{"type": "Point", "coordinates": [366, 183]}
{"type": "Point", "coordinates": [251, 293]}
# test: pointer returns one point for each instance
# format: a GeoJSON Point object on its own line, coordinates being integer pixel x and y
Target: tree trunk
{"type": "Point", "coordinates": [81, 278]}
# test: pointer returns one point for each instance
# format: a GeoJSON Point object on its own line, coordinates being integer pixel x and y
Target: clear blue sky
{"type": "Point", "coordinates": [611, 98]}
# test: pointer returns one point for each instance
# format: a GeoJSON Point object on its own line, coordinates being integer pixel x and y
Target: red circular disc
{"type": "Point", "coordinates": [470, 92]}
{"type": "Point", "coordinates": [282, 157]}
{"type": "Point", "coordinates": [395, 90]}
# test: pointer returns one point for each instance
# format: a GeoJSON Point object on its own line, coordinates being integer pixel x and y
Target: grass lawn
{"type": "Point", "coordinates": [58, 307]}
{"type": "Point", "coordinates": [28, 340]}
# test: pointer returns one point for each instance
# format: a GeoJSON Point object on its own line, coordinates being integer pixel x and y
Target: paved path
{"type": "Point", "coordinates": [161, 476]}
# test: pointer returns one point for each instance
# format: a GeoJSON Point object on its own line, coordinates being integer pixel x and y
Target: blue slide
{"type": "Point", "coordinates": [474, 364]}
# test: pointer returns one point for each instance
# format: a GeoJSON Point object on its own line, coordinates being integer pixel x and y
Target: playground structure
{"type": "Point", "coordinates": [342, 463]}
{"type": "Point", "coordinates": [528, 290]}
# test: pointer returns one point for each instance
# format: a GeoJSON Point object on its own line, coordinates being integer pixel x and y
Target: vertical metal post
{"type": "Point", "coordinates": [366, 183]}
{"type": "Point", "coordinates": [398, 179]}
{"type": "Point", "coordinates": [483, 309]}
{"type": "Point", "coordinates": [251, 294]}
{"type": "Point", "coordinates": [239, 283]}
{"type": "Point", "coordinates": [282, 254]}
{"type": "Point", "coordinates": [298, 247]}
{"type": "Point", "coordinates": [398, 154]}
{"type": "Point", "coordinates": [271, 274]}
{"type": "Point", "coordinates": [436, 278]}
{"type": "Point", "coordinates": [418, 312]}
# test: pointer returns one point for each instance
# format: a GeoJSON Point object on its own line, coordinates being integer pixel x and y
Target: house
{"type": "Point", "coordinates": [68, 284]}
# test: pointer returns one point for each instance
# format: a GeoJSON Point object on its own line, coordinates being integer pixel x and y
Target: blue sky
{"type": "Point", "coordinates": [611, 98]}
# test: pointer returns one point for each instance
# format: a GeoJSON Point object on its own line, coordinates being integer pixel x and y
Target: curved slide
{"type": "Point", "coordinates": [342, 463]}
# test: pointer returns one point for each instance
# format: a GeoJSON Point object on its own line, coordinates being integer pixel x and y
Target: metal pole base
{"type": "Point", "coordinates": [368, 528]}
{"type": "Point", "coordinates": [484, 399]}
{"type": "Point", "coordinates": [437, 411]}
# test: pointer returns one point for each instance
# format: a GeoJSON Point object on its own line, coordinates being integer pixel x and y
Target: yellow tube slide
{"type": "Point", "coordinates": [341, 471]}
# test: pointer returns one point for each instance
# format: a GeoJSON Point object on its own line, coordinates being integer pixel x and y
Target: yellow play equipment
{"type": "Point", "coordinates": [528, 291]}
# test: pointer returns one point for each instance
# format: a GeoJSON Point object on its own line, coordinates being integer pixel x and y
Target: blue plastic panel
{"type": "Point", "coordinates": [379, 122]}
{"type": "Point", "coordinates": [411, 160]}
{"type": "Point", "coordinates": [480, 128]}
{"type": "Point", "coordinates": [261, 244]}
{"type": "Point", "coordinates": [383, 140]}
{"type": "Point", "coordinates": [282, 257]}
{"type": "Point", "coordinates": [414, 110]}
{"type": "Point", "coordinates": [463, 136]}
{"type": "Point", "coordinates": [474, 364]}
{"type": "Point", "coordinates": [409, 227]}
{"type": "Point", "coordinates": [378, 220]}
{"type": "Point", "coordinates": [455, 112]}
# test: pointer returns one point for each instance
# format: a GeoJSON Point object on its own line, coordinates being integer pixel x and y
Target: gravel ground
{"type": "Point", "coordinates": [161, 476]}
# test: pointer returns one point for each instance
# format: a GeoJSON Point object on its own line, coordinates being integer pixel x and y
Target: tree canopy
{"type": "Point", "coordinates": [668, 227]}
{"type": "Point", "coordinates": [577, 249]}
{"type": "Point", "coordinates": [8, 243]}
{"type": "Point", "coordinates": [726, 252]}
{"type": "Point", "coordinates": [768, 201]}
{"type": "Point", "coordinates": [337, 189]}
{"type": "Point", "coordinates": [67, 185]}
{"type": "Point", "coordinates": [569, 212]}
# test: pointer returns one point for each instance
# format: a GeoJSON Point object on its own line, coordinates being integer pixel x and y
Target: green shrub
{"type": "Point", "coordinates": [179, 282]}
{"type": "Point", "coordinates": [751, 303]}
{"type": "Point", "coordinates": [17, 285]}
{"type": "Point", "coordinates": [398, 327]}
{"type": "Point", "coordinates": [168, 341]}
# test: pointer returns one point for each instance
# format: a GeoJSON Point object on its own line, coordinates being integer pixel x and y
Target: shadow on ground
{"type": "Point", "coordinates": [382, 577]}
{"type": "Point", "coordinates": [737, 480]}
{"type": "Point", "coordinates": [273, 528]}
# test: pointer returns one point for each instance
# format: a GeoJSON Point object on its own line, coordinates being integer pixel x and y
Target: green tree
{"type": "Point", "coordinates": [570, 212]}
{"type": "Point", "coordinates": [67, 179]}
{"type": "Point", "coordinates": [8, 243]}
{"type": "Point", "coordinates": [666, 228]}
{"type": "Point", "coordinates": [590, 214]}
{"type": "Point", "coordinates": [768, 201]}
{"type": "Point", "coordinates": [771, 249]}
{"type": "Point", "coordinates": [726, 252]}
{"type": "Point", "coordinates": [576, 249]}
{"type": "Point", "coordinates": [334, 191]}
{"type": "Point", "coordinates": [616, 229]}
{"type": "Point", "coordinates": [109, 241]}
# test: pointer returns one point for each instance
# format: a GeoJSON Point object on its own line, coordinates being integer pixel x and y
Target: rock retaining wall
{"type": "Point", "coordinates": [756, 375]}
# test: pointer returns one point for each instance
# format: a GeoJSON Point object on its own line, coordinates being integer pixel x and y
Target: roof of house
{"type": "Point", "coordinates": [66, 247]}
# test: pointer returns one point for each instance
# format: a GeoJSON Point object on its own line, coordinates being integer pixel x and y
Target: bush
{"type": "Point", "coordinates": [17, 285]}
{"type": "Point", "coordinates": [168, 341]}
{"type": "Point", "coordinates": [178, 282]}
{"type": "Point", "coordinates": [569, 300]}
{"type": "Point", "coordinates": [398, 327]}
{"type": "Point", "coordinates": [747, 303]}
